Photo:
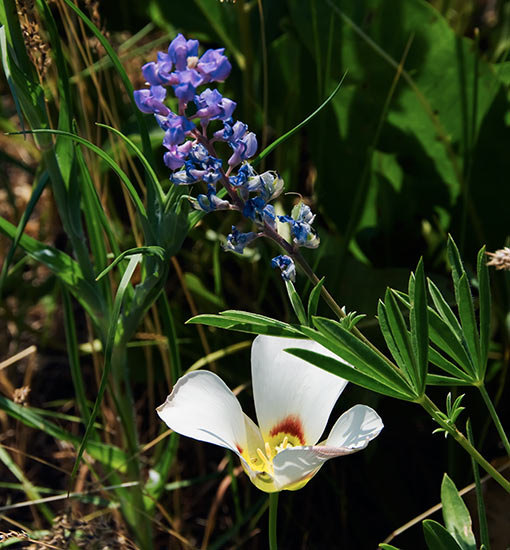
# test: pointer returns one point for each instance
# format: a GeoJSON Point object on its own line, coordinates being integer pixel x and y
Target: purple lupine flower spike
{"type": "Point", "coordinates": [214, 66]}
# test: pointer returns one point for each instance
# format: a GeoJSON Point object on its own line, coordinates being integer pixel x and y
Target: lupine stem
{"type": "Point", "coordinates": [495, 418]}
{"type": "Point", "coordinates": [273, 509]}
{"type": "Point", "coordinates": [459, 437]}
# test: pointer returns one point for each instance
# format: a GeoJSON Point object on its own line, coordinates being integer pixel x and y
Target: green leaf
{"type": "Point", "coordinates": [468, 321]}
{"type": "Point", "coordinates": [197, 287]}
{"type": "Point", "coordinates": [141, 250]}
{"type": "Point", "coordinates": [437, 537]}
{"type": "Point", "coordinates": [456, 515]}
{"type": "Point", "coordinates": [456, 265]}
{"type": "Point", "coordinates": [388, 547]}
{"type": "Point", "coordinates": [247, 322]}
{"type": "Point", "coordinates": [484, 311]}
{"type": "Point", "coordinates": [356, 352]}
{"type": "Point", "coordinates": [348, 372]}
{"type": "Point", "coordinates": [437, 359]}
{"type": "Point", "coordinates": [296, 302]}
{"type": "Point", "coordinates": [313, 300]}
{"type": "Point", "coordinates": [445, 311]}
{"type": "Point", "coordinates": [400, 335]}
{"type": "Point", "coordinates": [440, 380]}
{"type": "Point", "coordinates": [290, 133]}
{"type": "Point", "coordinates": [109, 346]}
{"type": "Point", "coordinates": [419, 324]}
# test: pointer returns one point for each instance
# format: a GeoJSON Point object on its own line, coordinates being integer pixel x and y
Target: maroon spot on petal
{"type": "Point", "coordinates": [239, 448]}
{"type": "Point", "coordinates": [291, 425]}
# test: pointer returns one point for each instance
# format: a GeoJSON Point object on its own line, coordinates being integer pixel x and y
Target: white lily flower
{"type": "Point", "coordinates": [293, 401]}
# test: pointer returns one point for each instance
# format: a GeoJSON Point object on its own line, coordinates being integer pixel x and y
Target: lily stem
{"type": "Point", "coordinates": [495, 418]}
{"type": "Point", "coordinates": [273, 509]}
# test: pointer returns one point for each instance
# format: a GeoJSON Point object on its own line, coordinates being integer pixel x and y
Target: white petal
{"type": "Point", "coordinates": [355, 429]}
{"type": "Point", "coordinates": [290, 393]}
{"type": "Point", "coordinates": [201, 406]}
{"type": "Point", "coordinates": [294, 466]}
{"type": "Point", "coordinates": [352, 432]}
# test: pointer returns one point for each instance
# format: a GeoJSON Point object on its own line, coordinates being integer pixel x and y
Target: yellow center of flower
{"type": "Point", "coordinates": [262, 462]}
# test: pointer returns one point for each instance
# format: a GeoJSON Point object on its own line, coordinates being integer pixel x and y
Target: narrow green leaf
{"type": "Point", "coordinates": [419, 324]}
{"type": "Point", "coordinates": [445, 311]}
{"type": "Point", "coordinates": [456, 264]}
{"type": "Point", "coordinates": [197, 287]}
{"type": "Point", "coordinates": [388, 335]}
{"type": "Point", "coordinates": [141, 250]}
{"type": "Point", "coordinates": [456, 515]}
{"type": "Point", "coordinates": [109, 346]}
{"type": "Point", "coordinates": [246, 323]}
{"type": "Point", "coordinates": [348, 372]}
{"type": "Point", "coordinates": [290, 133]}
{"type": "Point", "coordinates": [388, 547]}
{"type": "Point", "coordinates": [400, 335]}
{"type": "Point", "coordinates": [468, 321]}
{"type": "Point", "coordinates": [74, 357]}
{"type": "Point", "coordinates": [484, 311]}
{"type": "Point", "coordinates": [437, 359]}
{"type": "Point", "coordinates": [440, 380]}
{"type": "Point", "coordinates": [296, 302]}
{"type": "Point", "coordinates": [354, 351]}
{"type": "Point", "coordinates": [313, 300]}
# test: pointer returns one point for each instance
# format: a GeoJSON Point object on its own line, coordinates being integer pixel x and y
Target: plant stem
{"type": "Point", "coordinates": [273, 509]}
{"type": "Point", "coordinates": [433, 410]}
{"type": "Point", "coordinates": [495, 418]}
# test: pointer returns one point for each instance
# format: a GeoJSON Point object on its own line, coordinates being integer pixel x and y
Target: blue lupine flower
{"type": "Point", "coordinates": [177, 155]}
{"type": "Point", "coordinates": [182, 177]}
{"type": "Point", "coordinates": [151, 100]}
{"type": "Point", "coordinates": [304, 234]}
{"type": "Point", "coordinates": [214, 66]}
{"type": "Point", "coordinates": [237, 241]}
{"type": "Point", "coordinates": [269, 184]}
{"type": "Point", "coordinates": [210, 202]}
{"type": "Point", "coordinates": [199, 153]}
{"type": "Point", "coordinates": [287, 267]}
{"type": "Point", "coordinates": [199, 166]}
{"type": "Point", "coordinates": [256, 209]}
{"type": "Point", "coordinates": [226, 133]}
{"type": "Point", "coordinates": [176, 128]}
{"type": "Point", "coordinates": [212, 105]}
{"type": "Point", "coordinates": [180, 50]}
{"type": "Point", "coordinates": [243, 174]}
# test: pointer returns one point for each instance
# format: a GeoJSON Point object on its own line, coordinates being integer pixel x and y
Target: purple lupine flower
{"type": "Point", "coordinates": [151, 100]}
{"type": "Point", "coordinates": [182, 177]}
{"type": "Point", "coordinates": [287, 267]}
{"type": "Point", "coordinates": [176, 127]}
{"type": "Point", "coordinates": [214, 66]}
{"type": "Point", "coordinates": [186, 84]}
{"type": "Point", "coordinates": [237, 241]}
{"type": "Point", "coordinates": [159, 73]}
{"type": "Point", "coordinates": [226, 133]}
{"type": "Point", "coordinates": [177, 155]}
{"type": "Point", "coordinates": [243, 143]}
{"type": "Point", "coordinates": [180, 50]}
{"type": "Point", "coordinates": [210, 202]}
{"type": "Point", "coordinates": [270, 185]}
{"type": "Point", "coordinates": [200, 166]}
{"type": "Point", "coordinates": [212, 105]}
